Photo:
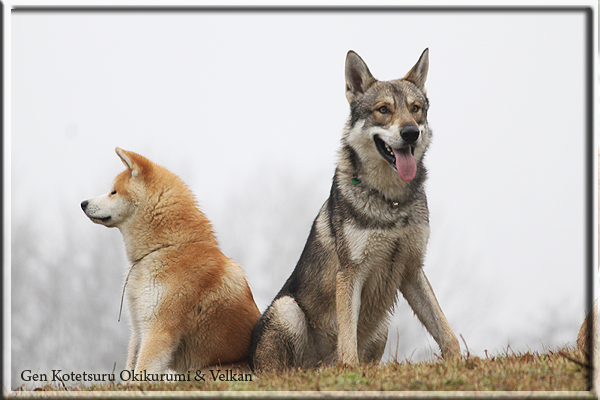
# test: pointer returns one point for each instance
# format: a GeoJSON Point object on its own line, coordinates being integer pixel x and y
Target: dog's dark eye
{"type": "Point", "coordinates": [383, 109]}
{"type": "Point", "coordinates": [415, 108]}
{"type": "Point", "coordinates": [113, 192]}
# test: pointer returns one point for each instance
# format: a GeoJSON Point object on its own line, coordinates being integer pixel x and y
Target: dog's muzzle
{"type": "Point", "coordinates": [84, 207]}
{"type": "Point", "coordinates": [402, 158]}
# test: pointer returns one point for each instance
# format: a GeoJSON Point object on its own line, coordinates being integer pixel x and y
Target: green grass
{"type": "Point", "coordinates": [555, 370]}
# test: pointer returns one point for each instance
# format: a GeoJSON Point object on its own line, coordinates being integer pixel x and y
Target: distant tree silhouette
{"type": "Point", "coordinates": [65, 300]}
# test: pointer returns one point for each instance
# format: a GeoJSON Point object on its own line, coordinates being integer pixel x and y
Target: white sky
{"type": "Point", "coordinates": [218, 98]}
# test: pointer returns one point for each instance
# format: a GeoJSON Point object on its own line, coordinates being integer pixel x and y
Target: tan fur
{"type": "Point", "coordinates": [190, 305]}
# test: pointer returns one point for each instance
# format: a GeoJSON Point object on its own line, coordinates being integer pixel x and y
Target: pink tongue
{"type": "Point", "coordinates": [406, 164]}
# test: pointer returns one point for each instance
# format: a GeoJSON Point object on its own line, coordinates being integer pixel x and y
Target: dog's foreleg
{"type": "Point", "coordinates": [156, 350]}
{"type": "Point", "coordinates": [347, 304]}
{"type": "Point", "coordinates": [132, 355]}
{"type": "Point", "coordinates": [418, 292]}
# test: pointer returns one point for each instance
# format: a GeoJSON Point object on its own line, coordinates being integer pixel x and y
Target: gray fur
{"type": "Point", "coordinates": [368, 241]}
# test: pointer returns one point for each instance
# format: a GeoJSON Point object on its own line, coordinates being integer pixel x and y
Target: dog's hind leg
{"type": "Point", "coordinates": [280, 339]}
{"type": "Point", "coordinates": [419, 294]}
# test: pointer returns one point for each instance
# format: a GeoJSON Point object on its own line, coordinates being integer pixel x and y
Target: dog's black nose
{"type": "Point", "coordinates": [84, 204]}
{"type": "Point", "coordinates": [410, 133]}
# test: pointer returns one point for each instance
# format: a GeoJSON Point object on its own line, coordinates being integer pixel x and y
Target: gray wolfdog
{"type": "Point", "coordinates": [368, 240]}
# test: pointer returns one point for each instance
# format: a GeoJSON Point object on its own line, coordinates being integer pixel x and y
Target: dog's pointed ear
{"type": "Point", "coordinates": [125, 156]}
{"type": "Point", "coordinates": [358, 76]}
{"type": "Point", "coordinates": [418, 73]}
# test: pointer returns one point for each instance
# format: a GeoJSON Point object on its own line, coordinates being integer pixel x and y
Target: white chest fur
{"type": "Point", "coordinates": [144, 294]}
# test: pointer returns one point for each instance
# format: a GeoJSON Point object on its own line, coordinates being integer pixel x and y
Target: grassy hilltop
{"type": "Point", "coordinates": [555, 370]}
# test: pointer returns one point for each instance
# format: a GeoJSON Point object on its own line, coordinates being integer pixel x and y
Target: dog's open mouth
{"type": "Point", "coordinates": [402, 159]}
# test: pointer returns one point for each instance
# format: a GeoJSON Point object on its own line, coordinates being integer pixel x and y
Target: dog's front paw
{"type": "Point", "coordinates": [348, 361]}
{"type": "Point", "coordinates": [451, 351]}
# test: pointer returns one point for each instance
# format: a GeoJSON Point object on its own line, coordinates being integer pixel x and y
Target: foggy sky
{"type": "Point", "coordinates": [245, 106]}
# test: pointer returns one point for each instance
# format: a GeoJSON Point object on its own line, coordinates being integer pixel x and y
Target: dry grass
{"type": "Point", "coordinates": [555, 370]}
